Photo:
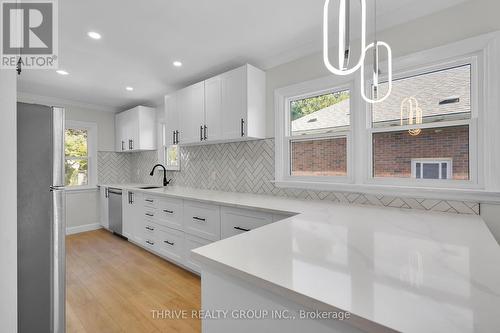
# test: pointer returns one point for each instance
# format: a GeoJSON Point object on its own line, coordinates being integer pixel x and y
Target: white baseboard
{"type": "Point", "coordinates": [83, 228]}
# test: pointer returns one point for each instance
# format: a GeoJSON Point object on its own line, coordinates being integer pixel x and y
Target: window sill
{"type": "Point", "coordinates": [475, 195]}
{"type": "Point", "coordinates": [78, 189]}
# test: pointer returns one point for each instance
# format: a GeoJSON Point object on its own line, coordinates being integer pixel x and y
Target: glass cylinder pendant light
{"type": "Point", "coordinates": [344, 38]}
{"type": "Point", "coordinates": [411, 111]}
{"type": "Point", "coordinates": [375, 86]}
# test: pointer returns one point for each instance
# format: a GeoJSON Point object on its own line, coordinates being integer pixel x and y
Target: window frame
{"type": "Point", "coordinates": [476, 112]}
{"type": "Point", "coordinates": [91, 129]}
{"type": "Point", "coordinates": [484, 185]}
{"type": "Point", "coordinates": [308, 90]}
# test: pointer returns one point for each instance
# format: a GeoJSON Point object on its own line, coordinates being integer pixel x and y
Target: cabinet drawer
{"type": "Point", "coordinates": [150, 201]}
{"type": "Point", "coordinates": [235, 221]}
{"type": "Point", "coordinates": [202, 220]}
{"type": "Point", "coordinates": [150, 244]}
{"type": "Point", "coordinates": [169, 213]}
{"type": "Point", "coordinates": [170, 243]}
{"type": "Point", "coordinates": [190, 243]}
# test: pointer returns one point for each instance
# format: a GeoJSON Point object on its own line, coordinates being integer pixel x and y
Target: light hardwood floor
{"type": "Point", "coordinates": [113, 286]}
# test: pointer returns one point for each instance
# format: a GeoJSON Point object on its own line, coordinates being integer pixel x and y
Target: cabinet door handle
{"type": "Point", "coordinates": [169, 243]}
{"type": "Point", "coordinates": [173, 139]}
{"type": "Point", "coordinates": [201, 133]}
{"type": "Point", "coordinates": [199, 219]}
{"type": "Point", "coordinates": [205, 132]}
{"type": "Point", "coordinates": [242, 229]}
{"type": "Point", "coordinates": [150, 200]}
{"type": "Point", "coordinates": [149, 214]}
{"type": "Point", "coordinates": [106, 192]}
{"type": "Point", "coordinates": [150, 229]}
{"type": "Point", "coordinates": [123, 145]}
{"type": "Point", "coordinates": [168, 211]}
{"type": "Point", "coordinates": [130, 198]}
{"type": "Point", "coordinates": [132, 144]}
{"type": "Point", "coordinates": [150, 243]}
{"type": "Point", "coordinates": [242, 127]}
{"type": "Point", "coordinates": [176, 137]}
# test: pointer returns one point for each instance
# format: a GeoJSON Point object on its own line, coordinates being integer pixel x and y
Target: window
{"type": "Point", "coordinates": [427, 117]}
{"type": "Point", "coordinates": [318, 127]}
{"type": "Point", "coordinates": [431, 169]}
{"type": "Point", "coordinates": [436, 133]}
{"type": "Point", "coordinates": [79, 150]}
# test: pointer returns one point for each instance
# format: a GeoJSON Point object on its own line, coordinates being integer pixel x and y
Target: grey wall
{"type": "Point", "coordinates": [8, 202]}
{"type": "Point", "coordinates": [465, 20]}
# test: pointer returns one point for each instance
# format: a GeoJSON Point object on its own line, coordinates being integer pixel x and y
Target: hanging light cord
{"type": "Point", "coordinates": [375, 54]}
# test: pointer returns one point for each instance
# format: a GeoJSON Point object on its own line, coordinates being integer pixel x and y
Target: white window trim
{"type": "Point", "coordinates": [92, 153]}
{"type": "Point", "coordinates": [484, 185]}
{"type": "Point", "coordinates": [447, 161]}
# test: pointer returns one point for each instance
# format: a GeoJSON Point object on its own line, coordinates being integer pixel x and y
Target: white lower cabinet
{"type": "Point", "coordinates": [190, 243]}
{"type": "Point", "coordinates": [172, 227]}
{"type": "Point", "coordinates": [171, 243]}
{"type": "Point", "coordinates": [202, 220]}
{"type": "Point", "coordinates": [132, 208]}
{"type": "Point", "coordinates": [235, 221]}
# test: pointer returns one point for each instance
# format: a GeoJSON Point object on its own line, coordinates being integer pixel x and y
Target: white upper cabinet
{"type": "Point", "coordinates": [171, 120]}
{"type": "Point", "coordinates": [213, 109]}
{"type": "Point", "coordinates": [227, 107]}
{"type": "Point", "coordinates": [135, 129]}
{"type": "Point", "coordinates": [191, 107]}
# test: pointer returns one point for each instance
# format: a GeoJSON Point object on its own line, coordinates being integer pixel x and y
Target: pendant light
{"type": "Point", "coordinates": [376, 66]}
{"type": "Point", "coordinates": [344, 38]}
{"type": "Point", "coordinates": [344, 49]}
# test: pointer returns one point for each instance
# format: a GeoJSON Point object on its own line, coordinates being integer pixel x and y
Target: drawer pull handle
{"type": "Point", "coordinates": [149, 214]}
{"type": "Point", "coordinates": [149, 200]}
{"type": "Point", "coordinates": [151, 229]}
{"type": "Point", "coordinates": [168, 211]}
{"type": "Point", "coordinates": [242, 229]}
{"type": "Point", "coordinates": [199, 218]}
{"type": "Point", "coordinates": [170, 243]}
{"type": "Point", "coordinates": [150, 243]}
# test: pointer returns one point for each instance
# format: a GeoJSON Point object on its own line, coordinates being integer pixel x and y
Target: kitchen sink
{"type": "Point", "coordinates": [149, 187]}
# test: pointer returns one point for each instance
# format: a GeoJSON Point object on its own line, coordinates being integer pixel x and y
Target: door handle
{"type": "Point", "coordinates": [168, 211]}
{"type": "Point", "coordinates": [205, 132]}
{"type": "Point", "coordinates": [199, 219]}
{"type": "Point", "coordinates": [173, 139]}
{"type": "Point", "coordinates": [149, 214]}
{"type": "Point", "coordinates": [106, 193]}
{"type": "Point", "coordinates": [150, 243]}
{"type": "Point", "coordinates": [170, 243]}
{"type": "Point", "coordinates": [176, 137]}
{"type": "Point", "coordinates": [123, 145]}
{"type": "Point", "coordinates": [242, 229]}
{"type": "Point", "coordinates": [201, 133]}
{"type": "Point", "coordinates": [150, 200]}
{"type": "Point", "coordinates": [242, 127]}
{"type": "Point", "coordinates": [150, 229]}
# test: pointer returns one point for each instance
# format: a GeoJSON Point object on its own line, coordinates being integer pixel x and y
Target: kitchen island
{"type": "Point", "coordinates": [378, 269]}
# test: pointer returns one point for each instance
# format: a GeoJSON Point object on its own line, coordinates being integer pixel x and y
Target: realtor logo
{"type": "Point", "coordinates": [28, 34]}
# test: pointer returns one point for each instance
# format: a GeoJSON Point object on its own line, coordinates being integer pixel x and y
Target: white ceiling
{"type": "Point", "coordinates": [141, 39]}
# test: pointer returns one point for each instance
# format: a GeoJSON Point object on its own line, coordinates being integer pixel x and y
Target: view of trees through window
{"type": "Point", "coordinates": [76, 153]}
{"type": "Point", "coordinates": [303, 107]}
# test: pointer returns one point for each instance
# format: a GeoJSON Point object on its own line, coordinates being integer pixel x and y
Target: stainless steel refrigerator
{"type": "Point", "coordinates": [41, 218]}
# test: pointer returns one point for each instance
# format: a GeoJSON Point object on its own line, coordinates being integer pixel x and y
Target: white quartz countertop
{"type": "Point", "coordinates": [397, 269]}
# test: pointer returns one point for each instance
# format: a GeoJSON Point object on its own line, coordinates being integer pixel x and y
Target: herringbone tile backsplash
{"type": "Point", "coordinates": [247, 167]}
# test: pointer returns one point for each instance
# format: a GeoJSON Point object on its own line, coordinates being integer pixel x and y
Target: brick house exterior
{"type": "Point", "coordinates": [393, 151]}
{"type": "Point", "coordinates": [319, 157]}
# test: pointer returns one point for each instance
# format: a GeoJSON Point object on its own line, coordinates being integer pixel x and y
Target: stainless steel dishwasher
{"type": "Point", "coordinates": [115, 210]}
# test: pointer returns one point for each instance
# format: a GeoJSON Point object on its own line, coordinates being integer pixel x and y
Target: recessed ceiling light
{"type": "Point", "coordinates": [62, 72]}
{"type": "Point", "coordinates": [129, 88]}
{"type": "Point", "coordinates": [177, 63]}
{"type": "Point", "coordinates": [94, 35]}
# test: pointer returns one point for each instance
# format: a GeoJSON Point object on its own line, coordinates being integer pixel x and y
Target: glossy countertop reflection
{"type": "Point", "coordinates": [401, 269]}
